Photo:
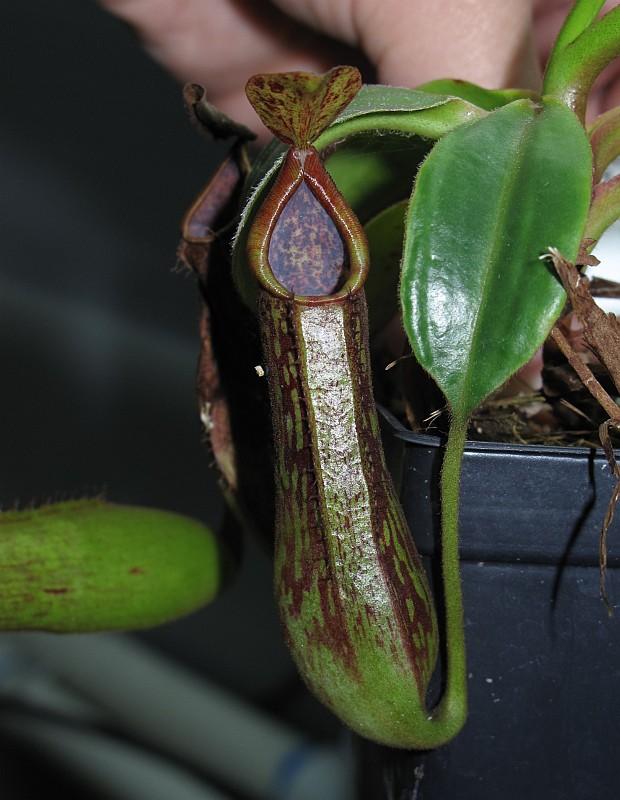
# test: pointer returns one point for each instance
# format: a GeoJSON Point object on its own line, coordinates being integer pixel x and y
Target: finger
{"type": "Point", "coordinates": [221, 43]}
{"type": "Point", "coordinates": [414, 41]}
{"type": "Point", "coordinates": [217, 42]}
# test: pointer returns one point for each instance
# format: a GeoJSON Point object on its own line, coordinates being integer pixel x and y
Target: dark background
{"type": "Point", "coordinates": [98, 334]}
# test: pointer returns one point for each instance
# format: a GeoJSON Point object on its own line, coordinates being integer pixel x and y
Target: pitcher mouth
{"type": "Point", "coordinates": [305, 243]}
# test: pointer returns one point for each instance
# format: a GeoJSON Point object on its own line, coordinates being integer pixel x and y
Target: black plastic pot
{"type": "Point", "coordinates": [543, 653]}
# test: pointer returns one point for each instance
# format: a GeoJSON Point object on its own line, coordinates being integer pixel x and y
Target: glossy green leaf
{"type": "Point", "coordinates": [89, 566]}
{"type": "Point", "coordinates": [489, 99]}
{"type": "Point", "coordinates": [375, 99]}
{"type": "Point", "coordinates": [489, 200]}
{"type": "Point", "coordinates": [383, 109]}
{"type": "Point", "coordinates": [298, 106]}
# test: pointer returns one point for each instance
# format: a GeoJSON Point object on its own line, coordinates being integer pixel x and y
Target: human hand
{"type": "Point", "coordinates": [220, 43]}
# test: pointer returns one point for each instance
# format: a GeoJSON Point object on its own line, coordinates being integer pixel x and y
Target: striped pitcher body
{"type": "Point", "coordinates": [351, 590]}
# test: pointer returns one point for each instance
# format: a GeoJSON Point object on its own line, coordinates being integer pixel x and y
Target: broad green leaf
{"type": "Point", "coordinates": [376, 99]}
{"type": "Point", "coordinates": [298, 106]}
{"type": "Point", "coordinates": [383, 109]}
{"type": "Point", "coordinates": [489, 200]}
{"type": "Point", "coordinates": [385, 245]}
{"type": "Point", "coordinates": [489, 99]}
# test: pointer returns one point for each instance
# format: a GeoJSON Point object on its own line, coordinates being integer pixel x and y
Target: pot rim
{"type": "Point", "coordinates": [507, 448]}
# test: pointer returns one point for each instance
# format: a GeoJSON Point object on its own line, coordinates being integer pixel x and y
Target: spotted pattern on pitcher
{"type": "Point", "coordinates": [306, 252]}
